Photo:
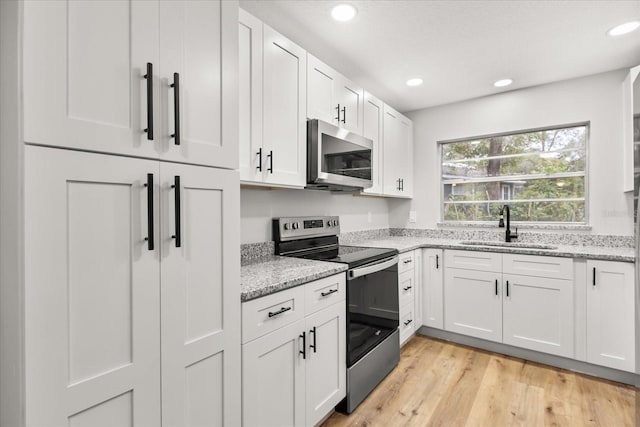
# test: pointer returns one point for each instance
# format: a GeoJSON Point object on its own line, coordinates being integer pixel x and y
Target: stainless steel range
{"type": "Point", "coordinates": [373, 343]}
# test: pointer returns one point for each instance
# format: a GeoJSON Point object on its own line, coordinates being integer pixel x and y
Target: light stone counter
{"type": "Point", "coordinates": [405, 244]}
{"type": "Point", "coordinates": [264, 276]}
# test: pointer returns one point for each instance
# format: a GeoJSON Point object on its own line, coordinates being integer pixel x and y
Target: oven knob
{"type": "Point", "coordinates": [335, 222]}
{"type": "Point", "coordinates": [287, 226]}
{"type": "Point", "coordinates": [329, 223]}
{"type": "Point", "coordinates": [295, 225]}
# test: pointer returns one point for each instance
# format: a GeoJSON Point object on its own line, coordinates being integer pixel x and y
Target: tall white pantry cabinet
{"type": "Point", "coordinates": [119, 297]}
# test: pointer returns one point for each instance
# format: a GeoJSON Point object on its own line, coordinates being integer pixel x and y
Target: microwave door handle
{"type": "Point", "coordinates": [362, 271]}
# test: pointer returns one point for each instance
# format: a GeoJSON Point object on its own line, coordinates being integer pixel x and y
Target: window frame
{"type": "Point", "coordinates": [586, 124]}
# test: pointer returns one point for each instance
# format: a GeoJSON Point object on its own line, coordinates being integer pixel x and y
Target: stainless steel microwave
{"type": "Point", "coordinates": [337, 159]}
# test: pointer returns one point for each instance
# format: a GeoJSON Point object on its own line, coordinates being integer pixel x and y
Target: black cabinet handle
{"type": "Point", "coordinates": [282, 310]}
{"type": "Point", "coordinates": [314, 345]}
{"type": "Point", "coordinates": [594, 276]}
{"type": "Point", "coordinates": [329, 292]}
{"type": "Point", "coordinates": [398, 184]}
{"type": "Point", "coordinates": [407, 288]}
{"type": "Point", "coordinates": [259, 153]}
{"type": "Point", "coordinates": [176, 187]}
{"type": "Point", "coordinates": [149, 185]}
{"type": "Point", "coordinates": [437, 265]}
{"type": "Point", "coordinates": [407, 261]}
{"type": "Point", "coordinates": [149, 78]}
{"type": "Point", "coordinates": [176, 108]}
{"type": "Point", "coordinates": [270, 156]}
{"type": "Point", "coordinates": [304, 345]}
{"type": "Point", "coordinates": [401, 184]}
{"type": "Point", "coordinates": [496, 286]}
{"type": "Point", "coordinates": [407, 322]}
{"type": "Point", "coordinates": [344, 115]}
{"type": "Point", "coordinates": [338, 108]}
{"type": "Point", "coordinates": [507, 288]}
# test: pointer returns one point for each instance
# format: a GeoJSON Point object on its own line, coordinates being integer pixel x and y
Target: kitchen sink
{"type": "Point", "coordinates": [508, 244]}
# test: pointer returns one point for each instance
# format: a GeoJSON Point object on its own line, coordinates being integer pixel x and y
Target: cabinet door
{"type": "Point", "coordinates": [199, 41]}
{"type": "Point", "coordinates": [610, 314]}
{"type": "Point", "coordinates": [538, 314]}
{"type": "Point", "coordinates": [84, 67]}
{"type": "Point", "coordinates": [285, 125]}
{"type": "Point", "coordinates": [350, 97]}
{"type": "Point", "coordinates": [473, 303]}
{"type": "Point", "coordinates": [92, 290]}
{"type": "Point", "coordinates": [252, 157]}
{"type": "Point", "coordinates": [372, 129]}
{"type": "Point", "coordinates": [432, 288]}
{"type": "Point", "coordinates": [321, 89]}
{"type": "Point", "coordinates": [405, 155]}
{"type": "Point", "coordinates": [326, 361]}
{"type": "Point", "coordinates": [200, 273]}
{"type": "Point", "coordinates": [273, 378]}
{"type": "Point", "coordinates": [391, 175]}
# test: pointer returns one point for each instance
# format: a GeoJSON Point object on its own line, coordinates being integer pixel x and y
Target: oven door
{"type": "Point", "coordinates": [372, 299]}
{"type": "Point", "coordinates": [337, 157]}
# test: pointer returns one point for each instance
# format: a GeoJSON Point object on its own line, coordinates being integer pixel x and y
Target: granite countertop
{"type": "Point", "coordinates": [405, 244]}
{"type": "Point", "coordinates": [264, 276]}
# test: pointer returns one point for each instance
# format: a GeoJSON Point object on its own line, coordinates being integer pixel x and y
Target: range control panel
{"type": "Point", "coordinates": [291, 228]}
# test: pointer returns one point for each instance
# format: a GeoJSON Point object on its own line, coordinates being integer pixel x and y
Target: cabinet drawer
{"type": "Point", "coordinates": [473, 260]}
{"type": "Point", "coordinates": [406, 288]}
{"type": "Point", "coordinates": [539, 266]}
{"type": "Point", "coordinates": [263, 315]}
{"type": "Point", "coordinates": [406, 262]}
{"type": "Point", "coordinates": [324, 292]}
{"type": "Point", "coordinates": [407, 322]}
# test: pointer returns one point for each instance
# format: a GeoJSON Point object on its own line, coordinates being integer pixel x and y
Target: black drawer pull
{"type": "Point", "coordinates": [329, 292]}
{"type": "Point", "coordinates": [150, 239]}
{"type": "Point", "coordinates": [314, 345]}
{"type": "Point", "coordinates": [407, 322]}
{"type": "Point", "coordinates": [594, 276]}
{"type": "Point", "coordinates": [149, 78]}
{"type": "Point", "coordinates": [437, 265]}
{"type": "Point", "coordinates": [176, 107]}
{"type": "Point", "coordinates": [304, 345]}
{"type": "Point", "coordinates": [507, 288]}
{"type": "Point", "coordinates": [407, 261]}
{"type": "Point", "coordinates": [282, 310]}
{"type": "Point", "coordinates": [176, 206]}
{"type": "Point", "coordinates": [407, 288]}
{"type": "Point", "coordinates": [496, 286]}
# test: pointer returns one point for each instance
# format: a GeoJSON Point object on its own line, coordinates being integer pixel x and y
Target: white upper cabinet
{"type": "Point", "coordinates": [84, 67]}
{"type": "Point", "coordinates": [198, 45]}
{"type": "Point", "coordinates": [285, 126]}
{"type": "Point", "coordinates": [333, 98]}
{"type": "Point", "coordinates": [272, 101]}
{"type": "Point", "coordinates": [398, 149]}
{"type": "Point", "coordinates": [373, 118]}
{"type": "Point", "coordinates": [250, 96]}
{"type": "Point", "coordinates": [85, 87]}
{"type": "Point", "coordinates": [631, 93]}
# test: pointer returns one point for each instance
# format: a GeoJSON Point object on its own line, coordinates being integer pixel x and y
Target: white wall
{"type": "Point", "coordinates": [258, 207]}
{"type": "Point", "coordinates": [597, 99]}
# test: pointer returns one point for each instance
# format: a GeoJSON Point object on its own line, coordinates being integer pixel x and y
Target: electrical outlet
{"type": "Point", "coordinates": [413, 216]}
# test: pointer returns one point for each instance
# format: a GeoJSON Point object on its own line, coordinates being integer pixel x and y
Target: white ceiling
{"type": "Point", "coordinates": [459, 48]}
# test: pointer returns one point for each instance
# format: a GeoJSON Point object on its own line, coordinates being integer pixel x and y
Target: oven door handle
{"type": "Point", "coordinates": [362, 271]}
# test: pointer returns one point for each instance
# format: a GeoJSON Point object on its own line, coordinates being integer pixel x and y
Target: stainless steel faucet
{"type": "Point", "coordinates": [508, 235]}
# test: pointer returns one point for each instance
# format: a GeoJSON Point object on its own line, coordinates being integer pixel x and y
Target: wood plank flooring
{"type": "Point", "coordinates": [443, 384]}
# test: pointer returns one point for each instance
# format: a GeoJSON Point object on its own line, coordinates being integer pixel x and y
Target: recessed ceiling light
{"type": "Point", "coordinates": [625, 28]}
{"type": "Point", "coordinates": [414, 82]}
{"type": "Point", "coordinates": [503, 83]}
{"type": "Point", "coordinates": [343, 12]}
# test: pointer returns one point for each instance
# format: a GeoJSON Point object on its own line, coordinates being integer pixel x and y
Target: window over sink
{"type": "Point", "coordinates": [540, 174]}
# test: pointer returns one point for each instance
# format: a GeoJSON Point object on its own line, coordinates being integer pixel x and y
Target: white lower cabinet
{"type": "Point", "coordinates": [409, 293]}
{"type": "Point", "coordinates": [530, 311]}
{"type": "Point", "coordinates": [611, 314]}
{"type": "Point", "coordinates": [432, 290]}
{"type": "Point", "coordinates": [294, 367]}
{"type": "Point", "coordinates": [115, 308]}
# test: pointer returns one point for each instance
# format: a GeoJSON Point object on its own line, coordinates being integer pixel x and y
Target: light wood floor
{"type": "Point", "coordinates": [443, 384]}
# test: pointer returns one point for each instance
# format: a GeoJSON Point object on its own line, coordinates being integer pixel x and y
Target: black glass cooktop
{"type": "Point", "coordinates": [354, 256]}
